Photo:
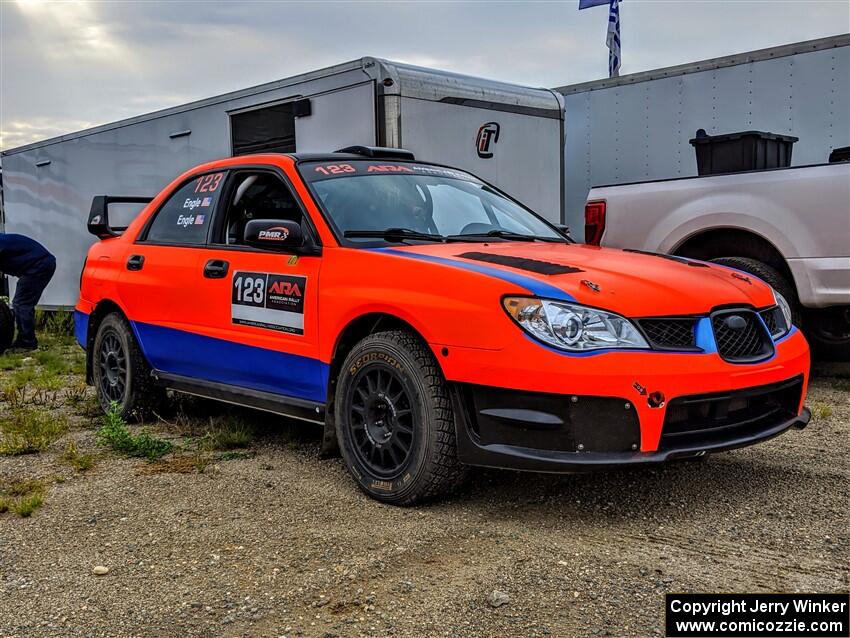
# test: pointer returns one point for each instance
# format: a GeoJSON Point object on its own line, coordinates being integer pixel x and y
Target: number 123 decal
{"type": "Point", "coordinates": [268, 300]}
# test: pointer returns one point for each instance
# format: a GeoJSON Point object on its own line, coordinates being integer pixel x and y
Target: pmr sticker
{"type": "Point", "coordinates": [268, 300]}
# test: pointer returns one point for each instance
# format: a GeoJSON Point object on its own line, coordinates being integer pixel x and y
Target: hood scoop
{"type": "Point", "coordinates": [522, 263]}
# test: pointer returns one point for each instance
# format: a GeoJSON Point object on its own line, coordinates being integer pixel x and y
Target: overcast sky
{"type": "Point", "coordinates": [69, 65]}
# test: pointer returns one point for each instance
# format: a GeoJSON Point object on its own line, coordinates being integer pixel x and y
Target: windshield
{"type": "Point", "coordinates": [363, 196]}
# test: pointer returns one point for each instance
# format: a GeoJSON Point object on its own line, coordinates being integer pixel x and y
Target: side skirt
{"type": "Point", "coordinates": [276, 403]}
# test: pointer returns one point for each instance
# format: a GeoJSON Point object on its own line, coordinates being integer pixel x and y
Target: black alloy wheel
{"type": "Point", "coordinates": [382, 420]}
{"type": "Point", "coordinates": [112, 367]}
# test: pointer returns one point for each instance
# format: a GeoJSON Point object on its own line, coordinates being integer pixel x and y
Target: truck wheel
{"type": "Point", "coordinates": [828, 331]}
{"type": "Point", "coordinates": [122, 377]}
{"type": "Point", "coordinates": [394, 420]}
{"type": "Point", "coordinates": [770, 275]}
{"type": "Point", "coordinates": [7, 327]}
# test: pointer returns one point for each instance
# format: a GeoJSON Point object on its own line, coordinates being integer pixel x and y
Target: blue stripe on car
{"type": "Point", "coordinates": [201, 357]}
{"type": "Point", "coordinates": [81, 328]}
{"type": "Point", "coordinates": [537, 287]}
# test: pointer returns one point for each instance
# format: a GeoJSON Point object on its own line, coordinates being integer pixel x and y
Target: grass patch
{"type": "Point", "coordinates": [822, 411]}
{"type": "Point", "coordinates": [22, 497]}
{"type": "Point", "coordinates": [227, 433]}
{"type": "Point", "coordinates": [80, 462]}
{"type": "Point", "coordinates": [30, 431]}
{"type": "Point", "coordinates": [235, 455]}
{"type": "Point", "coordinates": [115, 434]}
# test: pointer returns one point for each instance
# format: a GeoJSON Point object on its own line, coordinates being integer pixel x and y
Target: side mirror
{"type": "Point", "coordinates": [98, 223]}
{"type": "Point", "coordinates": [273, 234]}
{"type": "Point", "coordinates": [564, 230]}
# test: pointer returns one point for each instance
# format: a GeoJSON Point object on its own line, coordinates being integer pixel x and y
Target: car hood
{"type": "Point", "coordinates": [633, 283]}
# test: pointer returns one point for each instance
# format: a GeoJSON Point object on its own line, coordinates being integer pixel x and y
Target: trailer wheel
{"type": "Point", "coordinates": [770, 275]}
{"type": "Point", "coordinates": [7, 327]}
{"type": "Point", "coordinates": [395, 422]}
{"type": "Point", "coordinates": [122, 376]}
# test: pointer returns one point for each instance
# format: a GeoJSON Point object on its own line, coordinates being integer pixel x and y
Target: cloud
{"type": "Point", "coordinates": [66, 63]}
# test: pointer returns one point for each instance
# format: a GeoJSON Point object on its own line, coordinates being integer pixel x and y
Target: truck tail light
{"type": "Point", "coordinates": [594, 222]}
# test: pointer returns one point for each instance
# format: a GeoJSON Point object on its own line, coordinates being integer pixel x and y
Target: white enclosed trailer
{"type": "Point", "coordinates": [509, 135]}
{"type": "Point", "coordinates": [637, 127]}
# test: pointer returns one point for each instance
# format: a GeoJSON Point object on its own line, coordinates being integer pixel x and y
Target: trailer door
{"type": "Point", "coordinates": [517, 149]}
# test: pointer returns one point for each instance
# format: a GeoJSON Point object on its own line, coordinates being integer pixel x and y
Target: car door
{"type": "Point", "coordinates": [156, 282]}
{"type": "Point", "coordinates": [258, 309]}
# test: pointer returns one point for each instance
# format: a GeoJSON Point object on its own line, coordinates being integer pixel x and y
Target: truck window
{"type": "Point", "coordinates": [185, 217]}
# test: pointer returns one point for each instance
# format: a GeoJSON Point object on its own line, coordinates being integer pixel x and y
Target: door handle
{"type": "Point", "coordinates": [135, 262]}
{"type": "Point", "coordinates": [216, 269]}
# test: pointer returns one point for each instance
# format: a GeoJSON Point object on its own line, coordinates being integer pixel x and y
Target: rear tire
{"type": "Point", "coordinates": [770, 275]}
{"type": "Point", "coordinates": [121, 375]}
{"type": "Point", "coordinates": [7, 327]}
{"type": "Point", "coordinates": [394, 421]}
{"type": "Point", "coordinates": [828, 332]}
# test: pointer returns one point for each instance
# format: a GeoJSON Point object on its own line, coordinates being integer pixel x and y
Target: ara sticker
{"type": "Point", "coordinates": [268, 300]}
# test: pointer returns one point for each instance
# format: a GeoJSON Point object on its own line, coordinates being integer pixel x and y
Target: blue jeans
{"type": "Point", "coordinates": [27, 293]}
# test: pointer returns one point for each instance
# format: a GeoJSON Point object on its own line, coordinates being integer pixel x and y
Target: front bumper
{"type": "Point", "coordinates": [536, 409]}
{"type": "Point", "coordinates": [473, 450]}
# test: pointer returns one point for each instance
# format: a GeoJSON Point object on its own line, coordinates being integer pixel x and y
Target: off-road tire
{"type": "Point", "coordinates": [828, 332]}
{"type": "Point", "coordinates": [431, 468]}
{"type": "Point", "coordinates": [140, 396]}
{"type": "Point", "coordinates": [7, 327]}
{"type": "Point", "coordinates": [770, 275]}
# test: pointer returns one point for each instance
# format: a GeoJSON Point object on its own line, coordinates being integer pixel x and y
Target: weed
{"type": "Point", "coordinates": [15, 396]}
{"type": "Point", "coordinates": [227, 433]}
{"type": "Point", "coordinates": [56, 325]}
{"type": "Point", "coordinates": [114, 433]}
{"type": "Point", "coordinates": [80, 462]}
{"type": "Point", "coordinates": [22, 497]}
{"type": "Point", "coordinates": [234, 455]}
{"type": "Point", "coordinates": [30, 431]}
{"type": "Point", "coordinates": [186, 464]}
{"type": "Point", "coordinates": [76, 394]}
{"type": "Point", "coordinates": [25, 506]}
{"type": "Point", "coordinates": [11, 361]}
{"type": "Point", "coordinates": [823, 411]}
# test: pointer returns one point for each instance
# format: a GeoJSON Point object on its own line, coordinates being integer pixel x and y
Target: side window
{"type": "Point", "coordinates": [255, 196]}
{"type": "Point", "coordinates": [185, 217]}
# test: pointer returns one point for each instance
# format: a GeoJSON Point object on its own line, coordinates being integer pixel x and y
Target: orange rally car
{"type": "Point", "coordinates": [429, 322]}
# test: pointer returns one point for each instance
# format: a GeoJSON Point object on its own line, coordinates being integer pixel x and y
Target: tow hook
{"type": "Point", "coordinates": [655, 400]}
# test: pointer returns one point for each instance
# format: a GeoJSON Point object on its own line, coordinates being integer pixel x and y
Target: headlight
{"type": "Point", "coordinates": [570, 326]}
{"type": "Point", "coordinates": [778, 319]}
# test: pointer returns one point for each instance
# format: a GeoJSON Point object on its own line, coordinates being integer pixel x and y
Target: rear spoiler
{"type": "Point", "coordinates": [98, 223]}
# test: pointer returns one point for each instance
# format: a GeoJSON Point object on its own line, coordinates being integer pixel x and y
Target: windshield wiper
{"type": "Point", "coordinates": [393, 234]}
{"type": "Point", "coordinates": [501, 234]}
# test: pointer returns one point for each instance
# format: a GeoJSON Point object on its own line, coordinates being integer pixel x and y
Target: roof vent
{"type": "Point", "coordinates": [378, 152]}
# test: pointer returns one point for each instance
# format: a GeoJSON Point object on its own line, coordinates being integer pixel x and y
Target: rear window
{"type": "Point", "coordinates": [185, 217]}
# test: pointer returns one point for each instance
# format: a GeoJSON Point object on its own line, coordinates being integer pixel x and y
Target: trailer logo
{"type": "Point", "coordinates": [487, 134]}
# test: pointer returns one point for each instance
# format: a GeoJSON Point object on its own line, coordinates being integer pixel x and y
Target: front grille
{"type": "Point", "coordinates": [708, 419]}
{"type": "Point", "coordinates": [670, 334]}
{"type": "Point", "coordinates": [740, 336]}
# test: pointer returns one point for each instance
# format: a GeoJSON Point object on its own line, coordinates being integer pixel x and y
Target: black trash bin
{"type": "Point", "coordinates": [744, 151]}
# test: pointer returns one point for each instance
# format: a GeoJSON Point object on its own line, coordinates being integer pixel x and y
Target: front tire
{"type": "Point", "coordinates": [394, 420]}
{"type": "Point", "coordinates": [121, 375]}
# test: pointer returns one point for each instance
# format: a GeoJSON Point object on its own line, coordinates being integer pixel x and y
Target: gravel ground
{"type": "Point", "coordinates": [282, 543]}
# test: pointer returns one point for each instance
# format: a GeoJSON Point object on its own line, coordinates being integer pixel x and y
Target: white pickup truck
{"type": "Point", "coordinates": [788, 226]}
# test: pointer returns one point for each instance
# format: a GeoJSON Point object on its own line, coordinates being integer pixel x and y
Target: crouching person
{"type": "Point", "coordinates": [34, 266]}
